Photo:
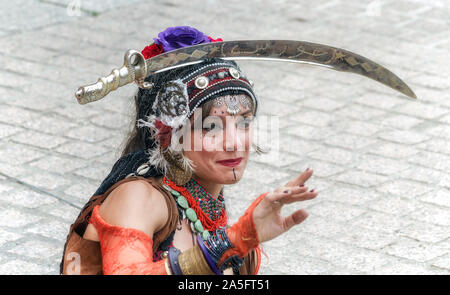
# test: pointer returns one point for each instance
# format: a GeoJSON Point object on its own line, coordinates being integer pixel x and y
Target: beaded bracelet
{"type": "Point", "coordinates": [208, 258]}
{"type": "Point", "coordinates": [235, 262]}
{"type": "Point", "coordinates": [216, 245]}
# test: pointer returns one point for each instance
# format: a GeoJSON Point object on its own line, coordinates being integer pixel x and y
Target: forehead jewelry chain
{"type": "Point", "coordinates": [232, 102]}
{"type": "Point", "coordinates": [233, 106]}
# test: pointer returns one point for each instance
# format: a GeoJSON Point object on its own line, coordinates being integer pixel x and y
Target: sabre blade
{"type": "Point", "coordinates": [279, 50]}
{"type": "Point", "coordinates": [136, 68]}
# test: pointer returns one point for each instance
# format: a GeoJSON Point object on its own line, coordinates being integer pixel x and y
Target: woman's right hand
{"type": "Point", "coordinates": [262, 221]}
{"type": "Point", "coordinates": [267, 214]}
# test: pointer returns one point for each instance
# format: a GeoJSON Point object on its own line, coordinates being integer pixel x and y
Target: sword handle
{"type": "Point", "coordinates": [134, 69]}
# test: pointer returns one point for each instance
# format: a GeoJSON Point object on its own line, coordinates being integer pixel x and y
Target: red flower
{"type": "Point", "coordinates": [164, 135]}
{"type": "Point", "coordinates": [152, 50]}
{"type": "Point", "coordinates": [155, 49]}
{"type": "Point", "coordinates": [215, 40]}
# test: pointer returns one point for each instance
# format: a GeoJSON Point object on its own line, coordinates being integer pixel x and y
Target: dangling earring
{"type": "Point", "coordinates": [176, 168]}
{"type": "Point", "coordinates": [259, 151]}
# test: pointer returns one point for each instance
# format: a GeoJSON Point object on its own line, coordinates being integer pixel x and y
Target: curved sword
{"type": "Point", "coordinates": [136, 68]}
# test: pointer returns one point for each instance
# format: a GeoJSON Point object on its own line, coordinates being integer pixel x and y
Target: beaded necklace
{"type": "Point", "coordinates": [210, 205]}
{"type": "Point", "coordinates": [190, 203]}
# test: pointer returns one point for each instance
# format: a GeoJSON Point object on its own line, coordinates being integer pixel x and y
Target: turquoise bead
{"type": "Point", "coordinates": [198, 226]}
{"type": "Point", "coordinates": [175, 193]}
{"type": "Point", "coordinates": [205, 235]}
{"type": "Point", "coordinates": [183, 202]}
{"type": "Point", "coordinates": [190, 213]}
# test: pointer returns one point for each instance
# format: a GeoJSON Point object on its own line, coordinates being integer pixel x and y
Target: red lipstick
{"type": "Point", "coordinates": [230, 162]}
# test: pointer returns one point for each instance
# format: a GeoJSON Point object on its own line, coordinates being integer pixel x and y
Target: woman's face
{"type": "Point", "coordinates": [220, 145]}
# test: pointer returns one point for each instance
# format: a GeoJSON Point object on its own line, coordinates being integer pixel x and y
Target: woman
{"type": "Point", "coordinates": [161, 210]}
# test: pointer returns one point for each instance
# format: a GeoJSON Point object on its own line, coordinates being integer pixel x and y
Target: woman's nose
{"type": "Point", "coordinates": [232, 140]}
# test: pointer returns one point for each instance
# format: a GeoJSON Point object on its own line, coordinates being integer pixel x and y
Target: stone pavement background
{"type": "Point", "coordinates": [381, 160]}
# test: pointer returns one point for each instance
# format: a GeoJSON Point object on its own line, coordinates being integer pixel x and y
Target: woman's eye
{"type": "Point", "coordinates": [209, 127]}
{"type": "Point", "coordinates": [245, 123]}
{"type": "Point", "coordinates": [212, 127]}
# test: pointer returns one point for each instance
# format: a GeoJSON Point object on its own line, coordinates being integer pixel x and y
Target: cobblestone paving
{"type": "Point", "coordinates": [381, 160]}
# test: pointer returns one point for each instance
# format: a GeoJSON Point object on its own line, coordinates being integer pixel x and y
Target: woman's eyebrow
{"type": "Point", "coordinates": [245, 113]}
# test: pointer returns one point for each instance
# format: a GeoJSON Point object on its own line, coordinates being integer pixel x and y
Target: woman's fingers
{"type": "Point", "coordinates": [295, 218]}
{"type": "Point", "coordinates": [299, 197]}
{"type": "Point", "coordinates": [302, 178]}
{"type": "Point", "coordinates": [283, 192]}
{"type": "Point", "coordinates": [292, 194]}
{"type": "Point", "coordinates": [291, 189]}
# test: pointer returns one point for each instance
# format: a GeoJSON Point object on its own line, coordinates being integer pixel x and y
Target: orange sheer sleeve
{"type": "Point", "coordinates": [243, 235]}
{"type": "Point", "coordinates": [258, 260]}
{"type": "Point", "coordinates": [125, 251]}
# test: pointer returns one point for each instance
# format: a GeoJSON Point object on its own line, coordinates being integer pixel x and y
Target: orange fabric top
{"type": "Point", "coordinates": [125, 251]}
{"type": "Point", "coordinates": [128, 251]}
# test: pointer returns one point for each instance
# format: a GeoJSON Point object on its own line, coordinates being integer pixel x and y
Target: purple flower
{"type": "Point", "coordinates": [178, 37]}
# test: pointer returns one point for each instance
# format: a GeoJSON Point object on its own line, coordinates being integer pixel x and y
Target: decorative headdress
{"type": "Point", "coordinates": [170, 98]}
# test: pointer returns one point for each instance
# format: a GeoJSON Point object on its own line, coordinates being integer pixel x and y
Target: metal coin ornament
{"type": "Point", "coordinates": [234, 73]}
{"type": "Point", "coordinates": [232, 103]}
{"type": "Point", "coordinates": [201, 82]}
{"type": "Point", "coordinates": [172, 100]}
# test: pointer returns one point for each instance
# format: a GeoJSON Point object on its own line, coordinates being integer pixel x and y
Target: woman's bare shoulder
{"type": "Point", "coordinates": [136, 204]}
